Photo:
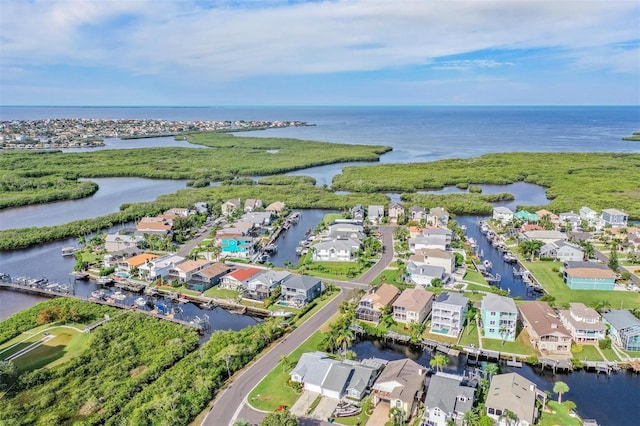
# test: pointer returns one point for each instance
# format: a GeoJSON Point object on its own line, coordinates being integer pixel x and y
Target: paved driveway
{"type": "Point", "coordinates": [324, 410]}
{"type": "Point", "coordinates": [380, 415]}
{"type": "Point", "coordinates": [301, 406]}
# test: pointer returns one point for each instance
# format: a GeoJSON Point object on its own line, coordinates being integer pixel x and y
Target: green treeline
{"type": "Point", "coordinates": [19, 190]}
{"type": "Point", "coordinates": [597, 180]}
{"type": "Point", "coordinates": [459, 204]}
{"type": "Point", "coordinates": [134, 369]}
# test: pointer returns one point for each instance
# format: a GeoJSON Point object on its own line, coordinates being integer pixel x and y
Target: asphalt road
{"type": "Point", "coordinates": [230, 404]}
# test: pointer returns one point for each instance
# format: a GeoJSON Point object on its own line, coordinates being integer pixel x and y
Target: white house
{"type": "Point", "coordinates": [375, 214]}
{"type": "Point", "coordinates": [562, 250]}
{"type": "Point", "coordinates": [423, 275]}
{"type": "Point", "coordinates": [336, 250]}
{"type": "Point", "coordinates": [159, 267]}
{"type": "Point", "coordinates": [502, 214]}
{"type": "Point", "coordinates": [435, 257]}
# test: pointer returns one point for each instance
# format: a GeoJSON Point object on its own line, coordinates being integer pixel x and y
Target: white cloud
{"type": "Point", "coordinates": [230, 42]}
{"type": "Point", "coordinates": [468, 64]}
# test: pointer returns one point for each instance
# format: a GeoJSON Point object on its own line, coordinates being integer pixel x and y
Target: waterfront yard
{"type": "Point", "coordinates": [587, 353]}
{"type": "Point", "coordinates": [558, 414]}
{"type": "Point", "coordinates": [520, 346]}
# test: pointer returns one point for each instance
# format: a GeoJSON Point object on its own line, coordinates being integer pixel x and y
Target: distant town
{"type": "Point", "coordinates": [89, 132]}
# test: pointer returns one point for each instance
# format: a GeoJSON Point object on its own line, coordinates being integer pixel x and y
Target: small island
{"type": "Point", "coordinates": [635, 137]}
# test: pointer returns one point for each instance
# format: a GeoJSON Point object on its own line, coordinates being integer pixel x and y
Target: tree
{"type": "Point", "coordinates": [470, 316]}
{"type": "Point", "coordinates": [439, 361]}
{"type": "Point", "coordinates": [242, 422]}
{"type": "Point", "coordinates": [396, 415]}
{"type": "Point", "coordinates": [560, 388]}
{"type": "Point", "coordinates": [613, 257]}
{"type": "Point", "coordinates": [588, 249]}
{"type": "Point", "coordinates": [491, 370]}
{"type": "Point", "coordinates": [284, 360]}
{"type": "Point", "coordinates": [503, 333]}
{"type": "Point", "coordinates": [344, 339]}
{"type": "Point", "coordinates": [280, 418]}
{"type": "Point", "coordinates": [8, 372]}
{"type": "Point", "coordinates": [471, 418]}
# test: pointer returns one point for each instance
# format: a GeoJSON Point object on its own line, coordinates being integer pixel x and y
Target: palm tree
{"type": "Point", "coordinates": [344, 338]}
{"type": "Point", "coordinates": [397, 416]}
{"type": "Point", "coordinates": [491, 370]}
{"type": "Point", "coordinates": [503, 333]}
{"type": "Point", "coordinates": [439, 361]}
{"type": "Point", "coordinates": [471, 418]}
{"type": "Point", "coordinates": [242, 422]}
{"type": "Point", "coordinates": [560, 388]}
{"type": "Point", "coordinates": [284, 360]}
{"type": "Point", "coordinates": [470, 316]}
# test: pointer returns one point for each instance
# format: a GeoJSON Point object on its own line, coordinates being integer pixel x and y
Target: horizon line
{"type": "Point", "coordinates": [318, 105]}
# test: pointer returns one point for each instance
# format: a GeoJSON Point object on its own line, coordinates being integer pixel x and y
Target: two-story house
{"type": "Point", "coordinates": [499, 316]}
{"type": "Point", "coordinates": [375, 213]}
{"type": "Point", "coordinates": [417, 214]}
{"type": "Point", "coordinates": [413, 305]}
{"type": "Point", "coordinates": [502, 214]}
{"type": "Point", "coordinates": [400, 385]}
{"type": "Point", "coordinates": [545, 329]}
{"type": "Point", "coordinates": [371, 305]}
{"type": "Point", "coordinates": [435, 257]}
{"type": "Point", "coordinates": [615, 218]}
{"type": "Point", "coordinates": [207, 277]}
{"type": "Point", "coordinates": [159, 267]}
{"type": "Point", "coordinates": [438, 217]}
{"type": "Point", "coordinates": [238, 279]}
{"type": "Point", "coordinates": [448, 313]}
{"type": "Point", "coordinates": [229, 207]}
{"type": "Point", "coordinates": [449, 396]}
{"type": "Point", "coordinates": [516, 394]}
{"type": "Point", "coordinates": [184, 271]}
{"type": "Point", "coordinates": [301, 289]}
{"type": "Point", "coordinates": [625, 328]}
{"type": "Point", "coordinates": [260, 286]}
{"type": "Point", "coordinates": [396, 212]}
{"type": "Point", "coordinates": [584, 323]}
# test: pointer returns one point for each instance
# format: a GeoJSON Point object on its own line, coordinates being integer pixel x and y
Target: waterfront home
{"type": "Point", "coordinates": [551, 216]}
{"type": "Point", "coordinates": [588, 276]}
{"type": "Point", "coordinates": [277, 207]}
{"type": "Point", "coordinates": [527, 227]}
{"type": "Point", "coordinates": [400, 385]}
{"type": "Point", "coordinates": [236, 280]}
{"type": "Point", "coordinates": [584, 323]}
{"type": "Point", "coordinates": [625, 328]}
{"type": "Point", "coordinates": [251, 204]}
{"type": "Point", "coordinates": [230, 232]}
{"type": "Point", "coordinates": [332, 378]}
{"type": "Point", "coordinates": [260, 286]}
{"type": "Point", "coordinates": [435, 257]}
{"type": "Point", "coordinates": [516, 394]}
{"type": "Point", "coordinates": [413, 305]}
{"type": "Point", "coordinates": [242, 247]}
{"type": "Point", "coordinates": [207, 277]}
{"type": "Point", "coordinates": [176, 211]}
{"type": "Point", "coordinates": [448, 397]}
{"type": "Point", "coordinates": [615, 218]}
{"type": "Point", "coordinates": [432, 242]}
{"type": "Point", "coordinates": [570, 220]}
{"type": "Point", "coordinates": [229, 207]}
{"type": "Point", "coordinates": [357, 213]}
{"type": "Point", "coordinates": [159, 267]}
{"type": "Point", "coordinates": [502, 214]}
{"type": "Point", "coordinates": [117, 242]}
{"type": "Point", "coordinates": [134, 262]}
{"type": "Point", "coordinates": [526, 216]}
{"type": "Point", "coordinates": [591, 218]}
{"type": "Point", "coordinates": [546, 332]}
{"type": "Point", "coordinates": [371, 304]}
{"type": "Point", "coordinates": [301, 289]}
{"type": "Point", "coordinates": [545, 236]}
{"type": "Point", "coordinates": [345, 230]}
{"type": "Point", "coordinates": [183, 271]}
{"type": "Point", "coordinates": [375, 214]}
{"type": "Point", "coordinates": [154, 226]}
{"type": "Point", "coordinates": [336, 250]}
{"type": "Point", "coordinates": [438, 216]}
{"type": "Point", "coordinates": [201, 207]}
{"type": "Point", "coordinates": [562, 251]}
{"type": "Point", "coordinates": [448, 313]}
{"type": "Point", "coordinates": [499, 317]}
{"type": "Point", "coordinates": [396, 212]}
{"type": "Point", "coordinates": [417, 214]}
{"type": "Point", "coordinates": [432, 231]}
{"type": "Point", "coordinates": [256, 218]}
{"type": "Point", "coordinates": [423, 275]}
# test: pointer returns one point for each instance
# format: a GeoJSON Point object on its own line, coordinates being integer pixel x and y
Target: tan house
{"type": "Point", "coordinates": [435, 257]}
{"type": "Point", "coordinates": [136, 261]}
{"type": "Point", "coordinates": [396, 211]}
{"type": "Point", "coordinates": [183, 271]}
{"type": "Point", "coordinates": [230, 206]}
{"type": "Point", "coordinates": [371, 304]}
{"type": "Point", "coordinates": [546, 332]}
{"type": "Point", "coordinates": [400, 385]}
{"type": "Point", "coordinates": [584, 323]}
{"type": "Point", "coordinates": [413, 305]}
{"type": "Point", "coordinates": [251, 204]}
{"type": "Point", "coordinates": [513, 392]}
{"type": "Point", "coordinates": [438, 216]}
{"type": "Point", "coordinates": [160, 226]}
{"type": "Point", "coordinates": [276, 207]}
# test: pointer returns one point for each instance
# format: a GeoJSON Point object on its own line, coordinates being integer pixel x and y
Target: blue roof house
{"type": "Point", "coordinates": [499, 317]}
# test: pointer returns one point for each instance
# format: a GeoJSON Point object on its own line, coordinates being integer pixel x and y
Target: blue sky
{"type": "Point", "coordinates": [356, 52]}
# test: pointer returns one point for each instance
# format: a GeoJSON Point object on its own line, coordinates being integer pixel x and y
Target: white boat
{"type": "Point", "coordinates": [68, 251]}
{"type": "Point", "coordinates": [487, 264]}
{"type": "Point", "coordinates": [118, 295]}
{"type": "Point", "coordinates": [97, 294]}
{"type": "Point", "coordinates": [141, 301]}
{"type": "Point", "coordinates": [281, 313]}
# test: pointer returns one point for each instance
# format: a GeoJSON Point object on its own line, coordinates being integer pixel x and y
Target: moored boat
{"type": "Point", "coordinates": [68, 251]}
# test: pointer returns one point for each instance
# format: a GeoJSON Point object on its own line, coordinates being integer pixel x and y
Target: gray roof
{"type": "Point", "coordinates": [451, 298]}
{"type": "Point", "coordinates": [621, 319]}
{"type": "Point", "coordinates": [584, 264]}
{"type": "Point", "coordinates": [362, 376]}
{"type": "Point", "coordinates": [436, 231]}
{"type": "Point", "coordinates": [349, 244]}
{"type": "Point", "coordinates": [493, 302]}
{"type": "Point", "coordinates": [514, 392]}
{"type": "Point", "coordinates": [271, 277]}
{"type": "Point", "coordinates": [313, 367]}
{"type": "Point", "coordinates": [502, 210]}
{"type": "Point", "coordinates": [304, 282]}
{"type": "Point", "coordinates": [444, 390]}
{"type": "Point", "coordinates": [427, 270]}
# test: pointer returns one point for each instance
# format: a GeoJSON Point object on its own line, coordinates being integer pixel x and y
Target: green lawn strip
{"type": "Point", "coordinates": [469, 335]}
{"type": "Point", "coordinates": [612, 356]}
{"type": "Point", "coordinates": [521, 345]}
{"type": "Point", "coordinates": [439, 337]}
{"type": "Point", "coordinates": [586, 353]}
{"type": "Point", "coordinates": [559, 415]}
{"type": "Point", "coordinates": [335, 270]}
{"type": "Point", "coordinates": [222, 293]}
{"type": "Point", "coordinates": [554, 285]}
{"type": "Point", "coordinates": [273, 390]}
{"type": "Point", "coordinates": [359, 420]}
{"type": "Point", "coordinates": [23, 340]}
{"type": "Point", "coordinates": [389, 276]}
{"type": "Point", "coordinates": [52, 351]}
{"type": "Point", "coordinates": [182, 290]}
{"type": "Point", "coordinates": [474, 276]}
{"type": "Point", "coordinates": [321, 302]}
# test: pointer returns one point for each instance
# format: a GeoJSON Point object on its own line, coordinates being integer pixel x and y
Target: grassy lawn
{"type": "Point", "coordinates": [586, 353]}
{"type": "Point", "coordinates": [611, 355]}
{"type": "Point", "coordinates": [389, 276]}
{"type": "Point", "coordinates": [222, 293]}
{"type": "Point", "coordinates": [559, 415]}
{"type": "Point", "coordinates": [475, 277]}
{"type": "Point", "coordinates": [469, 335]}
{"type": "Point", "coordinates": [273, 391]}
{"type": "Point", "coordinates": [554, 285]}
{"type": "Point", "coordinates": [520, 346]}
{"type": "Point", "coordinates": [439, 337]}
{"type": "Point", "coordinates": [322, 300]}
{"type": "Point", "coordinates": [335, 270]}
{"type": "Point", "coordinates": [182, 289]}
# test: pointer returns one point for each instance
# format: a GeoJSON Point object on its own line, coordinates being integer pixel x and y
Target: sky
{"type": "Point", "coordinates": [338, 52]}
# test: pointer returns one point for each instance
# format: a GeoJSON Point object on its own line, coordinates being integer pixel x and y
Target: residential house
{"type": "Point", "coordinates": [435, 257]}
{"type": "Point", "coordinates": [551, 216]}
{"type": "Point", "coordinates": [179, 212]}
{"type": "Point", "coordinates": [502, 214]}
{"type": "Point", "coordinates": [357, 213]}
{"type": "Point", "coordinates": [438, 217]}
{"type": "Point", "coordinates": [438, 232]}
{"type": "Point", "coordinates": [570, 220]}
{"type": "Point", "coordinates": [545, 236]}
{"type": "Point", "coordinates": [588, 276]}
{"type": "Point", "coordinates": [396, 212]}
{"type": "Point", "coordinates": [417, 214]}
{"type": "Point", "coordinates": [260, 286]}
{"type": "Point", "coordinates": [516, 394]}
{"type": "Point", "coordinates": [449, 396]}
{"type": "Point", "coordinates": [251, 204]}
{"type": "Point", "coordinates": [413, 305]}
{"type": "Point", "coordinates": [154, 226]}
{"type": "Point", "coordinates": [527, 227]}
{"type": "Point", "coordinates": [562, 251]}
{"type": "Point", "coordinates": [448, 313]}
{"type": "Point", "coordinates": [371, 304]}
{"type": "Point", "coordinates": [591, 218]}
{"type": "Point", "coordinates": [546, 332]}
{"type": "Point", "coordinates": [526, 216]}
{"type": "Point", "coordinates": [301, 289]}
{"type": "Point", "coordinates": [117, 242]}
{"type": "Point", "coordinates": [332, 378]}
{"type": "Point", "coordinates": [207, 277]}
{"type": "Point", "coordinates": [229, 207]}
{"type": "Point", "coordinates": [336, 250]}
{"type": "Point", "coordinates": [237, 280]}
{"type": "Point", "coordinates": [201, 207]}
{"type": "Point", "coordinates": [134, 262]}
{"type": "Point", "coordinates": [584, 323]}
{"type": "Point", "coordinates": [256, 218]}
{"type": "Point", "coordinates": [375, 214]}
{"type": "Point", "coordinates": [277, 207]}
{"type": "Point", "coordinates": [431, 242]}
{"type": "Point", "coordinates": [615, 218]}
{"type": "Point", "coordinates": [499, 317]}
{"type": "Point", "coordinates": [183, 271]}
{"type": "Point", "coordinates": [345, 230]}
{"type": "Point", "coordinates": [159, 267]}
{"type": "Point", "coordinates": [400, 384]}
{"type": "Point", "coordinates": [242, 247]}
{"type": "Point", "coordinates": [625, 328]}
{"type": "Point", "coordinates": [423, 275]}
